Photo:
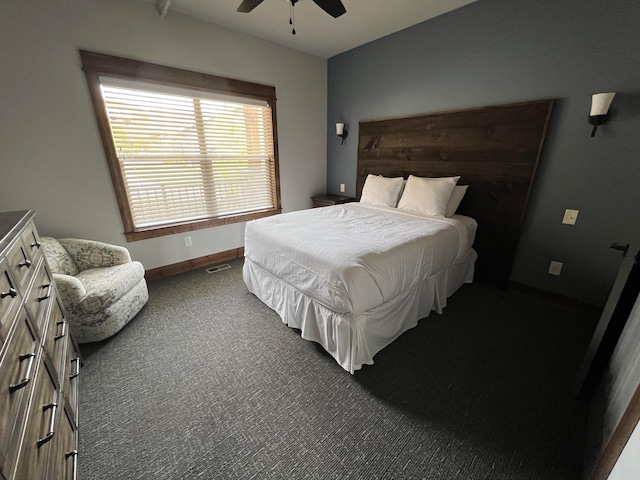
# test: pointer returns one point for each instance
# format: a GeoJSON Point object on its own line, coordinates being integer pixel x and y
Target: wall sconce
{"type": "Point", "coordinates": [599, 109]}
{"type": "Point", "coordinates": [341, 132]}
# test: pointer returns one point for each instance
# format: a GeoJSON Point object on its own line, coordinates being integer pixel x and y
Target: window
{"type": "Point", "coordinates": [185, 150]}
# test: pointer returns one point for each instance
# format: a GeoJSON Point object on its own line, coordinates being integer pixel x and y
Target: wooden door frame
{"type": "Point", "coordinates": [619, 438]}
{"type": "Point", "coordinates": [615, 314]}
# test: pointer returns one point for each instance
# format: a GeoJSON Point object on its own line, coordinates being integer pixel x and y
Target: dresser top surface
{"type": "Point", "coordinates": [10, 224]}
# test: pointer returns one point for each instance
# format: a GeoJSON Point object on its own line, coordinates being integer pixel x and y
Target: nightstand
{"type": "Point", "coordinates": [326, 200]}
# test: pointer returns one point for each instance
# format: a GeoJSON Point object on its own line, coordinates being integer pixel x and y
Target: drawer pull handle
{"type": "Point", "coordinates": [27, 376]}
{"type": "Point", "coordinates": [35, 243]}
{"type": "Point", "coordinates": [77, 372]}
{"type": "Point", "coordinates": [11, 293]}
{"type": "Point", "coordinates": [52, 421]}
{"type": "Point", "coordinates": [74, 465]}
{"type": "Point", "coordinates": [64, 330]}
{"type": "Point", "coordinates": [26, 263]}
{"type": "Point", "coordinates": [47, 295]}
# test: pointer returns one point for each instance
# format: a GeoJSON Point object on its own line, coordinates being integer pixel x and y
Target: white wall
{"type": "Point", "coordinates": [51, 156]}
{"type": "Point", "coordinates": [628, 465]}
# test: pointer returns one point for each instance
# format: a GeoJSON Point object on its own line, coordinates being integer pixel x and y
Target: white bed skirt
{"type": "Point", "coordinates": [354, 340]}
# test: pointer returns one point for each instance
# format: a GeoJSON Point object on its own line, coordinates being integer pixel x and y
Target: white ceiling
{"type": "Point", "coordinates": [317, 32]}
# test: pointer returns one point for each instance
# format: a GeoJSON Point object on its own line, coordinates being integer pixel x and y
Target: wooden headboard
{"type": "Point", "coordinates": [495, 150]}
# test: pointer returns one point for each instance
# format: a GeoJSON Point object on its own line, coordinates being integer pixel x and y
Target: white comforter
{"type": "Point", "coordinates": [352, 258]}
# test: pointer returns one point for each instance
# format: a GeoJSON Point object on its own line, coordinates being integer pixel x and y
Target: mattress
{"type": "Point", "coordinates": [352, 258]}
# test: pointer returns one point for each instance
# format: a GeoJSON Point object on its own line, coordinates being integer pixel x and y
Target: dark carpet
{"type": "Point", "coordinates": [208, 383]}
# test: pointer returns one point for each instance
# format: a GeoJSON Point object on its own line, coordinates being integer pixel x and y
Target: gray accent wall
{"type": "Point", "coordinates": [503, 51]}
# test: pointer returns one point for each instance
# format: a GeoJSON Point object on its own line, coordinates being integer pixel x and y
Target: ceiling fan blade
{"type": "Point", "coordinates": [335, 8]}
{"type": "Point", "coordinates": [247, 5]}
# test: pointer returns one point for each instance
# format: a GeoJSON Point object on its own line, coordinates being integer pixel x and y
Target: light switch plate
{"type": "Point", "coordinates": [570, 217]}
{"type": "Point", "coordinates": [555, 268]}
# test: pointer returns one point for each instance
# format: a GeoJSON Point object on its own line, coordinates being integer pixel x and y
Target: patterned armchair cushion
{"type": "Point", "coordinates": [91, 254]}
{"type": "Point", "coordinates": [59, 259]}
{"type": "Point", "coordinates": [107, 285]}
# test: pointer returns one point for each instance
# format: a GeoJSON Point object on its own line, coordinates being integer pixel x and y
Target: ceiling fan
{"type": "Point", "coordinates": [332, 7]}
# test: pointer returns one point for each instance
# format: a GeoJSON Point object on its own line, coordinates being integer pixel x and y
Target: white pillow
{"type": "Point", "coordinates": [427, 195]}
{"type": "Point", "coordinates": [456, 197]}
{"type": "Point", "coordinates": [381, 191]}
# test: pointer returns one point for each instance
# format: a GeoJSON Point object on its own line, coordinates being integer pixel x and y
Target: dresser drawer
{"type": "Point", "coordinates": [21, 266]}
{"type": "Point", "coordinates": [55, 338]}
{"type": "Point", "coordinates": [37, 444]}
{"type": "Point", "coordinates": [9, 300]}
{"type": "Point", "coordinates": [71, 378]}
{"type": "Point", "coordinates": [31, 243]}
{"type": "Point", "coordinates": [17, 371]}
{"type": "Point", "coordinates": [64, 464]}
{"type": "Point", "coordinates": [40, 298]}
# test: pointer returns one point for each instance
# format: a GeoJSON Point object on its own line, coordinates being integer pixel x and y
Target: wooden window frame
{"type": "Point", "coordinates": [96, 64]}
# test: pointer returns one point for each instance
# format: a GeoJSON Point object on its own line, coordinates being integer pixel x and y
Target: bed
{"type": "Point", "coordinates": [354, 277]}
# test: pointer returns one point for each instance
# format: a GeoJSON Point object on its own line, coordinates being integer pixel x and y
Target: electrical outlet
{"type": "Point", "coordinates": [342, 188]}
{"type": "Point", "coordinates": [570, 217]}
{"type": "Point", "coordinates": [555, 268]}
{"type": "Point", "coordinates": [187, 241]}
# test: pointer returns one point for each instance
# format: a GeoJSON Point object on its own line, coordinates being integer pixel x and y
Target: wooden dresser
{"type": "Point", "coordinates": [39, 362]}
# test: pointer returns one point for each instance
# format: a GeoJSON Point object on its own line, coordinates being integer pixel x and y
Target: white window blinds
{"type": "Point", "coordinates": [187, 155]}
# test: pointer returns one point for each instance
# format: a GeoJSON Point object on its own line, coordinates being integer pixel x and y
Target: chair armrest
{"type": "Point", "coordinates": [91, 254]}
{"type": "Point", "coordinates": [71, 290]}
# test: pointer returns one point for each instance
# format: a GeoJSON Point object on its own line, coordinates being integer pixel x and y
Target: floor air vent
{"type": "Point", "coordinates": [218, 268]}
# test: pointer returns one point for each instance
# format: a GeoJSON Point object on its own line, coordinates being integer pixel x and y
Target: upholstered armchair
{"type": "Point", "coordinates": [101, 288]}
